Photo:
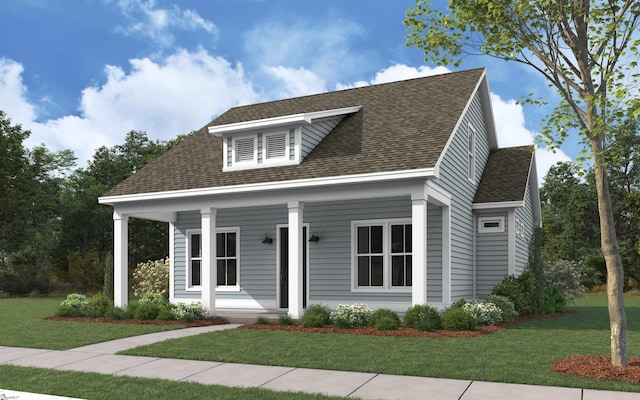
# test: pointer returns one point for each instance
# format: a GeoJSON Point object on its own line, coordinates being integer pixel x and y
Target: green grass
{"type": "Point", "coordinates": [106, 387]}
{"type": "Point", "coordinates": [522, 354]}
{"type": "Point", "coordinates": [22, 325]}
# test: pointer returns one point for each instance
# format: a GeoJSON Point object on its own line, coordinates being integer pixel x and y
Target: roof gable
{"type": "Point", "coordinates": [401, 126]}
{"type": "Point", "coordinates": [505, 176]}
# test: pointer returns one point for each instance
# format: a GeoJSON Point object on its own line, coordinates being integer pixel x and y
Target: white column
{"type": "Point", "coordinates": [120, 259]}
{"type": "Point", "coordinates": [208, 265]}
{"type": "Point", "coordinates": [295, 259]}
{"type": "Point", "coordinates": [419, 251]}
{"type": "Point", "coordinates": [446, 254]}
{"type": "Point", "coordinates": [172, 254]}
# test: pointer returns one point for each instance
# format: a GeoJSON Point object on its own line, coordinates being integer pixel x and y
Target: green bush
{"type": "Point", "coordinates": [68, 311]}
{"type": "Point", "coordinates": [342, 323]}
{"type": "Point", "coordinates": [24, 272]}
{"type": "Point", "coordinates": [351, 315]}
{"type": "Point", "coordinates": [386, 323]}
{"type": "Point", "coordinates": [166, 313]}
{"type": "Point", "coordinates": [384, 313]}
{"type": "Point", "coordinates": [457, 319]}
{"type": "Point", "coordinates": [554, 300]}
{"type": "Point", "coordinates": [520, 291]}
{"type": "Point", "coordinates": [189, 312]}
{"type": "Point", "coordinates": [315, 316]}
{"type": "Point", "coordinates": [75, 305]}
{"type": "Point", "coordinates": [285, 320]}
{"type": "Point", "coordinates": [117, 313]}
{"type": "Point", "coordinates": [147, 310]}
{"type": "Point", "coordinates": [422, 317]}
{"type": "Point", "coordinates": [154, 298]}
{"type": "Point", "coordinates": [262, 321]}
{"type": "Point", "coordinates": [99, 305]}
{"type": "Point", "coordinates": [504, 304]}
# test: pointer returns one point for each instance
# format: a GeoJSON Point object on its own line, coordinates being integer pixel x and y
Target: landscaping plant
{"type": "Point", "coordinates": [520, 291]}
{"type": "Point", "coordinates": [384, 319]}
{"type": "Point", "coordinates": [458, 319]}
{"type": "Point", "coordinates": [152, 277]}
{"type": "Point", "coordinates": [315, 316]}
{"type": "Point", "coordinates": [346, 316]}
{"type": "Point", "coordinates": [485, 313]}
{"type": "Point", "coordinates": [504, 304]}
{"type": "Point", "coordinates": [422, 317]}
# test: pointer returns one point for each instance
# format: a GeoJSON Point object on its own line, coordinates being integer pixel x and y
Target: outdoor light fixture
{"type": "Point", "coordinates": [314, 238]}
{"type": "Point", "coordinates": [267, 239]}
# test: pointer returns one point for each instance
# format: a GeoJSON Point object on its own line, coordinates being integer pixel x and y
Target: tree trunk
{"type": "Point", "coordinates": [611, 252]}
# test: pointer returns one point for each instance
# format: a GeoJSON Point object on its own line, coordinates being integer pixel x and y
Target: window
{"type": "Point", "coordinates": [382, 254]}
{"type": "Point", "coordinates": [491, 225]}
{"type": "Point", "coordinates": [276, 146]}
{"type": "Point", "coordinates": [227, 259]}
{"type": "Point", "coordinates": [471, 155]}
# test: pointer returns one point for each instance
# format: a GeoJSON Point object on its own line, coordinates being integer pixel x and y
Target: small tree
{"type": "Point", "coordinates": [152, 277]}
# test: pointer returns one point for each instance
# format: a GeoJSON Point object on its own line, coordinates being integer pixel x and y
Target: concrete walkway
{"type": "Point", "coordinates": [101, 358]}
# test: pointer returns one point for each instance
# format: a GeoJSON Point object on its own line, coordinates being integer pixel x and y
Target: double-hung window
{"type": "Point", "coordinates": [227, 259]}
{"type": "Point", "coordinates": [381, 254]}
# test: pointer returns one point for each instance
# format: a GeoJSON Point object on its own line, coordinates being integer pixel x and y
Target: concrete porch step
{"type": "Point", "coordinates": [249, 316]}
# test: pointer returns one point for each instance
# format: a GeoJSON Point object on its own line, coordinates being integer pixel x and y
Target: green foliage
{"type": "Point", "coordinates": [351, 315]}
{"type": "Point", "coordinates": [99, 305]}
{"type": "Point", "coordinates": [108, 276]}
{"type": "Point", "coordinates": [422, 317]}
{"type": "Point", "coordinates": [484, 313]}
{"type": "Point", "coordinates": [86, 272]}
{"type": "Point", "coordinates": [384, 319]}
{"type": "Point", "coordinates": [167, 313]}
{"type": "Point", "coordinates": [554, 300]}
{"type": "Point", "coordinates": [315, 316]}
{"type": "Point", "coordinates": [520, 291]}
{"type": "Point", "coordinates": [152, 277]}
{"type": "Point", "coordinates": [23, 272]}
{"type": "Point", "coordinates": [262, 321]}
{"type": "Point", "coordinates": [117, 313]}
{"type": "Point", "coordinates": [75, 305]}
{"type": "Point", "coordinates": [565, 276]}
{"type": "Point", "coordinates": [536, 266]}
{"type": "Point", "coordinates": [285, 320]}
{"type": "Point", "coordinates": [189, 312]}
{"type": "Point", "coordinates": [457, 319]}
{"type": "Point", "coordinates": [147, 310]}
{"type": "Point", "coordinates": [504, 304]}
{"type": "Point", "coordinates": [154, 298]}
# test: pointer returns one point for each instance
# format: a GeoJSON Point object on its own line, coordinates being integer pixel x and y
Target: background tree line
{"type": "Point", "coordinates": [53, 232]}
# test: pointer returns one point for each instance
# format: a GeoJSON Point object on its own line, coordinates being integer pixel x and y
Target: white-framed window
{"type": "Point", "coordinates": [490, 224]}
{"type": "Point", "coordinates": [227, 259]}
{"type": "Point", "coordinates": [270, 148]}
{"type": "Point", "coordinates": [471, 154]}
{"type": "Point", "coordinates": [381, 255]}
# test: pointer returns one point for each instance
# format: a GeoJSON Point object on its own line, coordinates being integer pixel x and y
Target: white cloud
{"type": "Point", "coordinates": [13, 92]}
{"type": "Point", "coordinates": [164, 99]}
{"type": "Point", "coordinates": [397, 72]}
{"type": "Point", "coordinates": [297, 82]}
{"type": "Point", "coordinates": [155, 23]}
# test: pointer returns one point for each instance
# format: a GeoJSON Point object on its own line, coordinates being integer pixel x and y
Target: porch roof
{"type": "Point", "coordinates": [402, 126]}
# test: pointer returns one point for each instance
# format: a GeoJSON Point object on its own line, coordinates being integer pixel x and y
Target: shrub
{"type": "Point", "coordinates": [156, 299]}
{"type": "Point", "coordinates": [315, 316]}
{"type": "Point", "coordinates": [117, 313]}
{"type": "Point", "coordinates": [189, 312]}
{"type": "Point", "coordinates": [152, 277]}
{"type": "Point", "coordinates": [23, 272]}
{"type": "Point", "coordinates": [75, 305]}
{"type": "Point", "coordinates": [384, 313]}
{"type": "Point", "coordinates": [520, 291]}
{"type": "Point", "coordinates": [146, 311]}
{"type": "Point", "coordinates": [99, 305]}
{"type": "Point", "coordinates": [85, 271]}
{"type": "Point", "coordinates": [483, 312]}
{"type": "Point", "coordinates": [285, 320]}
{"type": "Point", "coordinates": [166, 313]}
{"type": "Point", "coordinates": [457, 319]}
{"type": "Point", "coordinates": [554, 300]}
{"type": "Point", "coordinates": [565, 275]}
{"type": "Point", "coordinates": [504, 304]}
{"type": "Point", "coordinates": [262, 320]}
{"type": "Point", "coordinates": [342, 323]}
{"type": "Point", "coordinates": [422, 317]}
{"type": "Point", "coordinates": [351, 315]}
{"type": "Point", "coordinates": [386, 323]}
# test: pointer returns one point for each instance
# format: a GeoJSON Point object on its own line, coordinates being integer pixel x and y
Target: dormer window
{"type": "Point", "coordinates": [276, 141]}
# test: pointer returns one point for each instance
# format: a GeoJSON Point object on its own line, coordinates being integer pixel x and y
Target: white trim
{"type": "Point", "coordinates": [511, 268]}
{"type": "Point", "coordinates": [501, 204]}
{"type": "Point", "coordinates": [246, 304]}
{"type": "Point", "coordinates": [386, 255]}
{"type": "Point", "coordinates": [220, 130]}
{"type": "Point", "coordinates": [397, 306]}
{"type": "Point", "coordinates": [282, 185]}
{"type": "Point", "coordinates": [490, 229]}
{"type": "Point", "coordinates": [236, 287]}
{"type": "Point", "coordinates": [471, 153]}
{"type": "Point", "coordinates": [196, 231]}
{"type": "Point", "coordinates": [172, 255]}
{"type": "Point", "coordinates": [187, 285]}
{"type": "Point", "coordinates": [278, 255]}
{"type": "Point", "coordinates": [120, 259]}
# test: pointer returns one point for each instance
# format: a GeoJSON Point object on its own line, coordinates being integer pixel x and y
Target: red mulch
{"type": "Point", "coordinates": [194, 324]}
{"type": "Point", "coordinates": [593, 366]}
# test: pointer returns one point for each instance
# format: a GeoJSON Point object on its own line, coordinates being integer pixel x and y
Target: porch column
{"type": "Point", "coordinates": [208, 266]}
{"type": "Point", "coordinates": [295, 259]}
{"type": "Point", "coordinates": [120, 259]}
{"type": "Point", "coordinates": [419, 251]}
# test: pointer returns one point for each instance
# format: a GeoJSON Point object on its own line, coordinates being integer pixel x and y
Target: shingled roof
{"type": "Point", "coordinates": [505, 175]}
{"type": "Point", "coordinates": [402, 125]}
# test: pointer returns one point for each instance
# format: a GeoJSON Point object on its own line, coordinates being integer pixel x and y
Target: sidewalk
{"type": "Point", "coordinates": [101, 358]}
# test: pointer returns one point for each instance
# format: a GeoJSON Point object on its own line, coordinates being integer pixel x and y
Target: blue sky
{"type": "Point", "coordinates": [81, 74]}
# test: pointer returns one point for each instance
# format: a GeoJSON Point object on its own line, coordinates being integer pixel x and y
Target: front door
{"type": "Point", "coordinates": [284, 267]}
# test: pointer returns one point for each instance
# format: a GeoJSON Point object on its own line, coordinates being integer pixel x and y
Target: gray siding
{"type": "Point", "coordinates": [525, 215]}
{"type": "Point", "coordinates": [453, 178]}
{"type": "Point", "coordinates": [492, 254]}
{"type": "Point", "coordinates": [314, 133]}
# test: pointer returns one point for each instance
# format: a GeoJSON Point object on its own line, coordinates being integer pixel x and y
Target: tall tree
{"type": "Point", "coordinates": [586, 49]}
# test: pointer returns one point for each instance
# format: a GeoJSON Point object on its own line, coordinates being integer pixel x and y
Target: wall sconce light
{"type": "Point", "coordinates": [314, 238]}
{"type": "Point", "coordinates": [267, 240]}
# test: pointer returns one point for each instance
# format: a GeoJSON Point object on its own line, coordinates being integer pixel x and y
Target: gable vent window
{"type": "Point", "coordinates": [245, 149]}
{"type": "Point", "coordinates": [491, 225]}
{"type": "Point", "coordinates": [276, 146]}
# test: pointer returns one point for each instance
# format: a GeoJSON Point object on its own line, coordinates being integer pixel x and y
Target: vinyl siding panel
{"type": "Point", "coordinates": [314, 133]}
{"type": "Point", "coordinates": [525, 216]}
{"type": "Point", "coordinates": [453, 178]}
{"type": "Point", "coordinates": [492, 254]}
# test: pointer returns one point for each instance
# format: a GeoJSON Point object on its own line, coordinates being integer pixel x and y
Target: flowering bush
{"type": "Point", "coordinates": [152, 277]}
{"type": "Point", "coordinates": [483, 312]}
{"type": "Point", "coordinates": [190, 311]}
{"type": "Point", "coordinates": [566, 276]}
{"type": "Point", "coordinates": [154, 298]}
{"type": "Point", "coordinates": [504, 304]}
{"type": "Point", "coordinates": [352, 315]}
{"type": "Point", "coordinates": [75, 305]}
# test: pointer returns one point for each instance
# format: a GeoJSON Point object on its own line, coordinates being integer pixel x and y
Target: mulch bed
{"type": "Point", "coordinates": [587, 366]}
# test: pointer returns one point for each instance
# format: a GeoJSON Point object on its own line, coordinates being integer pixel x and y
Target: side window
{"type": "Point", "coordinates": [227, 258]}
{"type": "Point", "coordinates": [195, 259]}
{"type": "Point", "coordinates": [491, 225]}
{"type": "Point", "coordinates": [370, 255]}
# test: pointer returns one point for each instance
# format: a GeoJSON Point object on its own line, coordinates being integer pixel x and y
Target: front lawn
{"type": "Point", "coordinates": [522, 354]}
{"type": "Point", "coordinates": [22, 325]}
